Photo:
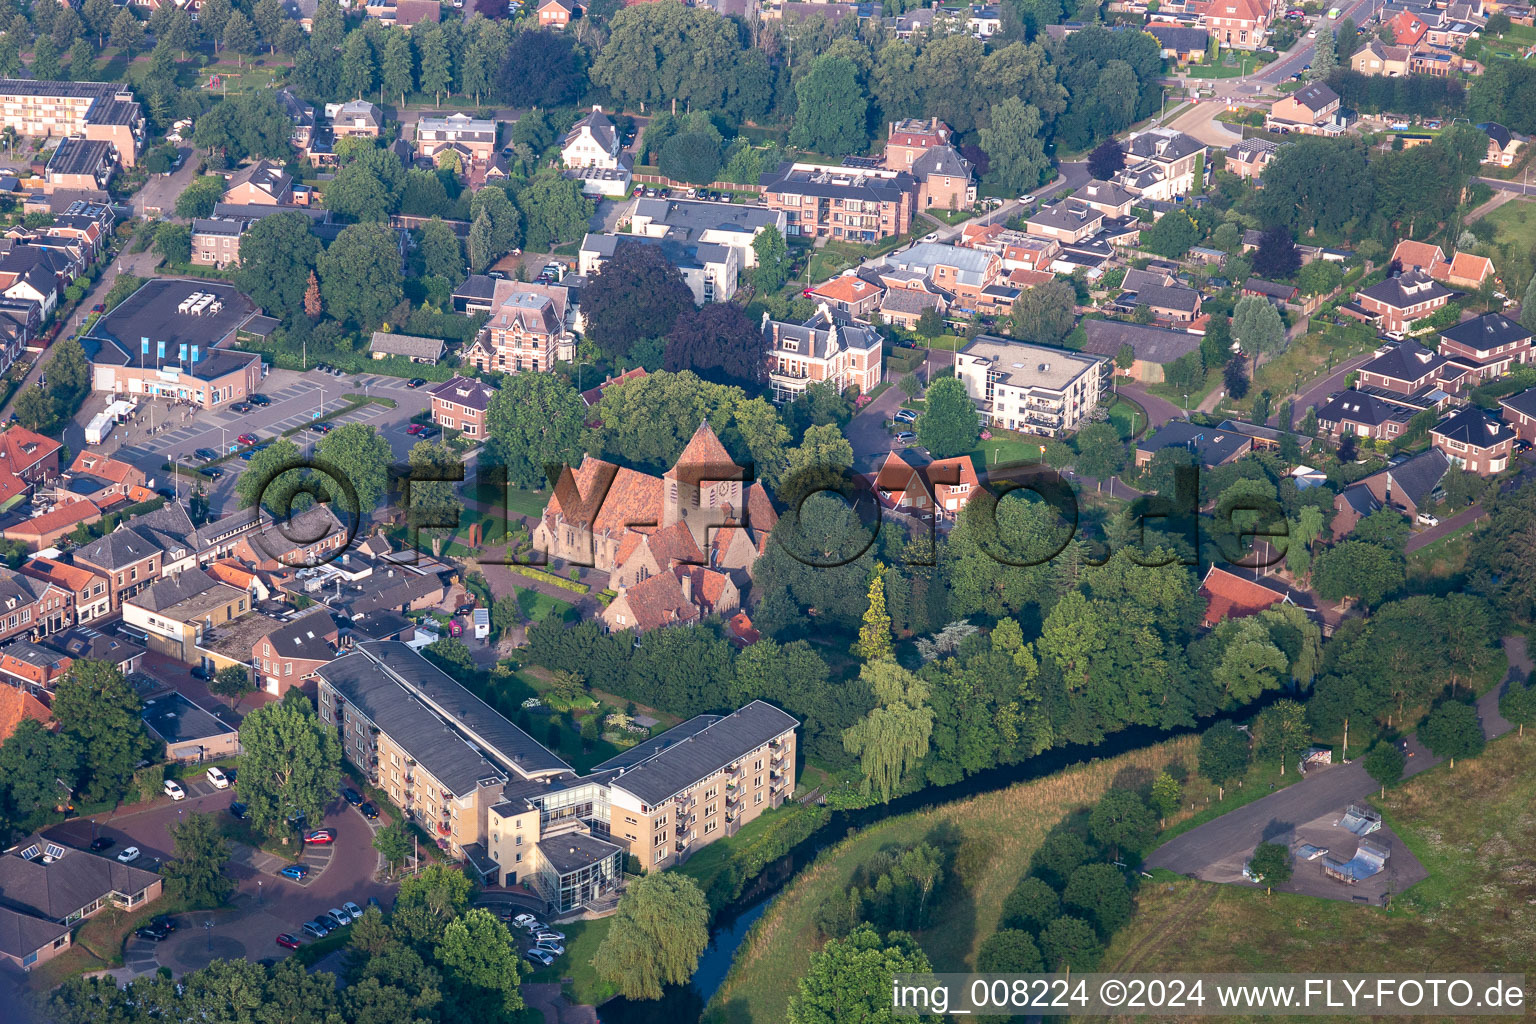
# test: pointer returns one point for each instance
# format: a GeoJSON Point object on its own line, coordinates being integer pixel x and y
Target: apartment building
{"type": "Point", "coordinates": [460, 404]}
{"type": "Point", "coordinates": [80, 164]}
{"type": "Point", "coordinates": [710, 270]}
{"type": "Point", "coordinates": [823, 348]}
{"type": "Point", "coordinates": [32, 607]}
{"type": "Point", "coordinates": [729, 224]}
{"type": "Point", "coordinates": [1032, 388]}
{"type": "Point", "coordinates": [857, 204]}
{"type": "Point", "coordinates": [100, 111]}
{"type": "Point", "coordinates": [518, 814]}
{"type": "Point", "coordinates": [527, 330]}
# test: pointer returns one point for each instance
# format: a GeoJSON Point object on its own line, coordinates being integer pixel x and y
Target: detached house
{"type": "Point", "coordinates": [1503, 145]}
{"type": "Point", "coordinates": [263, 183]}
{"type": "Point", "coordinates": [1236, 24]}
{"type": "Point", "coordinates": [1398, 301]}
{"type": "Point", "coordinates": [1408, 368]}
{"type": "Point", "coordinates": [473, 140]}
{"type": "Point", "coordinates": [1475, 441]}
{"type": "Point", "coordinates": [939, 489]}
{"type": "Point", "coordinates": [460, 404]}
{"type": "Point", "coordinates": [591, 142]}
{"type": "Point", "coordinates": [1520, 414]}
{"type": "Point", "coordinates": [822, 349]}
{"type": "Point", "coordinates": [526, 331]}
{"type": "Point", "coordinates": [1490, 344]}
{"type": "Point", "coordinates": [1311, 110]}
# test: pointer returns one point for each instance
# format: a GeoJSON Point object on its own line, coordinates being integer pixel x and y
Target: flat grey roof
{"type": "Point", "coordinates": [152, 312]}
{"type": "Point", "coordinates": [175, 719]}
{"type": "Point", "coordinates": [1023, 365]}
{"type": "Point", "coordinates": [574, 851]}
{"type": "Point", "coordinates": [79, 156]}
{"type": "Point", "coordinates": [679, 765]}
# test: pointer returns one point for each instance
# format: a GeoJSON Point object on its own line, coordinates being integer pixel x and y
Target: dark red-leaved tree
{"type": "Point", "coordinates": [720, 343]}
{"type": "Point", "coordinates": [636, 295]}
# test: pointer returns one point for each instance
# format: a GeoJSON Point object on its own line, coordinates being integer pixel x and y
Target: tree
{"type": "Point", "coordinates": [97, 709]}
{"type": "Point", "coordinates": [1452, 730]}
{"type": "Point", "coordinates": [1045, 313]}
{"type": "Point", "coordinates": [174, 242]}
{"type": "Point", "coordinates": [393, 842]}
{"type": "Point", "coordinates": [1009, 951]}
{"type": "Point", "coordinates": [1250, 663]}
{"type": "Point", "coordinates": [277, 262]}
{"type": "Point", "coordinates": [440, 252]}
{"type": "Point", "coordinates": [874, 642]}
{"type": "Point", "coordinates": [660, 929]}
{"type": "Point", "coordinates": [832, 109]}
{"type": "Point", "coordinates": [1171, 235]}
{"type": "Point", "coordinates": [240, 35]}
{"type": "Point", "coordinates": [1235, 376]}
{"type": "Point", "coordinates": [1099, 894]}
{"type": "Point", "coordinates": [434, 498]}
{"type": "Point", "coordinates": [1319, 277]}
{"type": "Point", "coordinates": [772, 255]}
{"type": "Point", "coordinates": [1385, 762]}
{"type": "Point", "coordinates": [38, 769]}
{"type": "Point", "coordinates": [480, 245]}
{"type": "Point", "coordinates": [45, 58]}
{"type": "Point", "coordinates": [1070, 942]}
{"type": "Point", "coordinates": [1528, 307]}
{"type": "Point", "coordinates": [637, 295]}
{"type": "Point", "coordinates": [232, 681]}
{"type": "Point", "coordinates": [1257, 327]}
{"type": "Point", "coordinates": [1100, 452]}
{"type": "Point", "coordinates": [535, 423]}
{"type": "Point", "coordinates": [1357, 569]}
{"type": "Point", "coordinates": [1283, 733]}
{"type": "Point", "coordinates": [1032, 905]}
{"type": "Point", "coordinates": [481, 966]}
{"type": "Point", "coordinates": [360, 274]}
{"type": "Point", "coordinates": [1518, 705]}
{"type": "Point", "coordinates": [948, 425]}
{"type": "Point", "coordinates": [200, 196]}
{"type": "Point", "coordinates": [692, 156]}
{"type": "Point", "coordinates": [554, 211]}
{"type": "Point", "coordinates": [1121, 820]}
{"type": "Point", "coordinates": [291, 763]}
{"type": "Point", "coordinates": [195, 874]}
{"type": "Point", "coordinates": [1223, 755]}
{"type": "Point", "coordinates": [33, 409]}
{"type": "Point", "coordinates": [312, 307]}
{"type": "Point", "coordinates": [718, 342]}
{"type": "Point", "coordinates": [1325, 60]}
{"type": "Point", "coordinates": [428, 901]}
{"type": "Point", "coordinates": [362, 456]}
{"type": "Point", "coordinates": [1106, 160]}
{"type": "Point", "coordinates": [1270, 865]}
{"type": "Point", "coordinates": [366, 188]}
{"type": "Point", "coordinates": [1015, 146]}
{"type": "Point", "coordinates": [396, 67]}
{"type": "Point", "coordinates": [1167, 795]}
{"type": "Point", "coordinates": [506, 222]}
{"type": "Point", "coordinates": [893, 737]}
{"type": "Point", "coordinates": [1276, 256]}
{"type": "Point", "coordinates": [850, 980]}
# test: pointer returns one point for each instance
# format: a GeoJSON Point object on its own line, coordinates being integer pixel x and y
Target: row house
{"type": "Point", "coordinates": [822, 349]}
{"type": "Point", "coordinates": [852, 204]}
{"type": "Point", "coordinates": [290, 654]}
{"type": "Point", "coordinates": [527, 330]}
{"type": "Point", "coordinates": [88, 594]}
{"type": "Point", "coordinates": [1474, 441]}
{"type": "Point", "coordinates": [28, 460]}
{"type": "Point", "coordinates": [1408, 368]}
{"type": "Point", "coordinates": [32, 607]}
{"type": "Point", "coordinates": [1520, 414]}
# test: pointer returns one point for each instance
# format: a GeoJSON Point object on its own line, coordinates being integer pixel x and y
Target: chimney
{"type": "Point", "coordinates": [688, 587]}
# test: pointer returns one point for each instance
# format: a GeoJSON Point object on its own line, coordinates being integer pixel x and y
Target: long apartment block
{"type": "Point", "coordinates": [490, 793]}
{"type": "Point", "coordinates": [100, 111]}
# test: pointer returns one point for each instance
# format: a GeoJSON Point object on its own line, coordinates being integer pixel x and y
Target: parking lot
{"type": "Point", "coordinates": [161, 432]}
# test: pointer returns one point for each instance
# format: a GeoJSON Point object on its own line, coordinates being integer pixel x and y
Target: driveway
{"type": "Point", "coordinates": [157, 196]}
{"type": "Point", "coordinates": [1210, 851]}
{"type": "Point", "coordinates": [1159, 410]}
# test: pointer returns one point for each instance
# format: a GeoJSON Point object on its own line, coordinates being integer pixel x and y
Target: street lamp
{"type": "Point", "coordinates": [208, 928]}
{"type": "Point", "coordinates": [259, 899]}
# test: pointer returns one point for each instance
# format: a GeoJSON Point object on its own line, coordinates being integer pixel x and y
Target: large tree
{"type": "Point", "coordinates": [1270, 864]}
{"type": "Point", "coordinates": [98, 710]}
{"type": "Point", "coordinates": [719, 342]}
{"type": "Point", "coordinates": [429, 901]}
{"type": "Point", "coordinates": [1121, 820]}
{"type": "Point", "coordinates": [291, 763]}
{"type": "Point", "coordinates": [692, 156]}
{"type": "Point", "coordinates": [637, 294]}
{"type": "Point", "coordinates": [772, 254]}
{"type": "Point", "coordinates": [656, 936]}
{"type": "Point", "coordinates": [481, 966]}
{"type": "Point", "coordinates": [362, 455]}
{"type": "Point", "coordinates": [893, 738]}
{"type": "Point", "coordinates": [276, 255]}
{"type": "Point", "coordinates": [1106, 160]}
{"type": "Point", "coordinates": [830, 117]}
{"type": "Point", "coordinates": [360, 274]}
{"type": "Point", "coordinates": [1171, 235]}
{"type": "Point", "coordinates": [1098, 893]}
{"type": "Point", "coordinates": [38, 769]}
{"type": "Point", "coordinates": [1276, 256]}
{"type": "Point", "coordinates": [195, 875]}
{"type": "Point", "coordinates": [1045, 313]}
{"type": "Point", "coordinates": [949, 425]}
{"type": "Point", "coordinates": [535, 423]}
{"type": "Point", "coordinates": [554, 211]}
{"type": "Point", "coordinates": [1384, 763]}
{"type": "Point", "coordinates": [543, 68]}
{"type": "Point", "coordinates": [1257, 327]}
{"type": "Point", "coordinates": [850, 980]}
{"type": "Point", "coordinates": [1015, 146]}
{"type": "Point", "coordinates": [1223, 755]}
{"type": "Point", "coordinates": [1357, 569]}
{"type": "Point", "coordinates": [1453, 730]}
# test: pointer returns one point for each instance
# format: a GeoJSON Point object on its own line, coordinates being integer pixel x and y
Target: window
{"type": "Point", "coordinates": [757, 798]}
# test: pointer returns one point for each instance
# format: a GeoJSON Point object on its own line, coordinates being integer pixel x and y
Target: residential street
{"type": "Point", "coordinates": [1318, 393]}
{"type": "Point", "coordinates": [1159, 410]}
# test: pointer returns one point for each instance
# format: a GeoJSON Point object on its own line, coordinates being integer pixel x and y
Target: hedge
{"type": "Point", "coordinates": [533, 572]}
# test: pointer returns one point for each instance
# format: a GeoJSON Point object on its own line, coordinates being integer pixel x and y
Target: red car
{"type": "Point", "coordinates": [414, 429]}
{"type": "Point", "coordinates": [246, 439]}
{"type": "Point", "coordinates": [321, 836]}
{"type": "Point", "coordinates": [287, 941]}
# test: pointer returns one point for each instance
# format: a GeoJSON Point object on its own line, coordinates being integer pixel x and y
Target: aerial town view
{"type": "Point", "coordinates": [766, 511]}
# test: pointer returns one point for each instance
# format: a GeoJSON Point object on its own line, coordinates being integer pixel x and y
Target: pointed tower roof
{"type": "Point", "coordinates": [704, 449]}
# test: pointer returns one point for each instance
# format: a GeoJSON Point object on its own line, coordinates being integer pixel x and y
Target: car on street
{"type": "Point", "coordinates": [247, 439]}
{"type": "Point", "coordinates": [129, 855]}
{"type": "Point", "coordinates": [353, 909]}
{"type": "Point", "coordinates": [538, 956]}
{"type": "Point", "coordinates": [237, 809]}
{"type": "Point", "coordinates": [173, 790]}
{"type": "Point", "coordinates": [351, 796]}
{"type": "Point", "coordinates": [262, 400]}
{"type": "Point", "coordinates": [341, 917]}
{"type": "Point", "coordinates": [415, 382]}
{"type": "Point", "coordinates": [241, 407]}
{"type": "Point", "coordinates": [153, 933]}
{"type": "Point", "coordinates": [550, 936]}
{"type": "Point", "coordinates": [315, 930]}
{"type": "Point", "coordinates": [297, 872]}
{"type": "Point", "coordinates": [905, 416]}
{"type": "Point", "coordinates": [321, 836]}
{"type": "Point", "coordinates": [287, 941]}
{"type": "Point", "coordinates": [369, 811]}
{"type": "Point", "coordinates": [103, 843]}
{"type": "Point", "coordinates": [552, 948]}
{"type": "Point", "coordinates": [206, 454]}
{"type": "Point", "coordinates": [218, 778]}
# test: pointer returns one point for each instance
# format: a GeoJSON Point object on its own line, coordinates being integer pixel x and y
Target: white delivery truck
{"type": "Point", "coordinates": [100, 427]}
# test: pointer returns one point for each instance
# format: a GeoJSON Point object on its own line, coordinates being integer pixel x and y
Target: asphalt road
{"type": "Point", "coordinates": [1322, 792]}
{"type": "Point", "coordinates": [1319, 393]}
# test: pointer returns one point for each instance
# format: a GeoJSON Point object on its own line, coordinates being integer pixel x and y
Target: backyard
{"type": "Point", "coordinates": [1232, 64]}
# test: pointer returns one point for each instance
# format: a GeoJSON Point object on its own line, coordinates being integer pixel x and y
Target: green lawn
{"type": "Point", "coordinates": [1129, 418]}
{"type": "Point", "coordinates": [1310, 358]}
{"type": "Point", "coordinates": [537, 606]}
{"type": "Point", "coordinates": [1241, 63]}
{"type": "Point", "coordinates": [1516, 221]}
{"type": "Point", "coordinates": [581, 941]}
{"type": "Point", "coordinates": [1005, 447]}
{"type": "Point", "coordinates": [835, 257]}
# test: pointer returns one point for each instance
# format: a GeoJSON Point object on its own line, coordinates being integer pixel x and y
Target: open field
{"type": "Point", "coordinates": [1472, 827]}
{"type": "Point", "coordinates": [993, 836]}
{"type": "Point", "coordinates": [1516, 221]}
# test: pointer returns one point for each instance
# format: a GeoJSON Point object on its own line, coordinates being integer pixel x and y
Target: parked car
{"type": "Point", "coordinates": [415, 428]}
{"type": "Point", "coordinates": [905, 437]}
{"type": "Point", "coordinates": [241, 407]}
{"type": "Point", "coordinates": [103, 843]}
{"type": "Point", "coordinates": [173, 790]}
{"type": "Point", "coordinates": [100, 307]}
{"type": "Point", "coordinates": [206, 454]}
{"type": "Point", "coordinates": [1426, 519]}
{"type": "Point", "coordinates": [218, 779]}
{"type": "Point", "coordinates": [540, 957]}
{"type": "Point", "coordinates": [415, 382]}
{"type": "Point", "coordinates": [341, 917]}
{"type": "Point", "coordinates": [297, 872]}
{"type": "Point", "coordinates": [552, 948]}
{"type": "Point", "coordinates": [322, 428]}
{"type": "Point", "coordinates": [321, 837]}
{"type": "Point", "coordinates": [324, 924]}
{"type": "Point", "coordinates": [351, 796]}
{"type": "Point", "coordinates": [905, 416]}
{"type": "Point", "coordinates": [550, 936]}
{"type": "Point", "coordinates": [129, 855]}
{"type": "Point", "coordinates": [237, 809]}
{"type": "Point", "coordinates": [523, 919]}
{"type": "Point", "coordinates": [152, 933]}
{"type": "Point", "coordinates": [369, 811]}
{"type": "Point", "coordinates": [247, 439]}
{"type": "Point", "coordinates": [287, 941]}
{"type": "Point", "coordinates": [262, 400]}
{"type": "Point", "coordinates": [211, 472]}
{"type": "Point", "coordinates": [314, 930]}
{"type": "Point", "coordinates": [534, 925]}
{"type": "Point", "coordinates": [165, 921]}
{"type": "Point", "coordinates": [323, 367]}
{"type": "Point", "coordinates": [353, 909]}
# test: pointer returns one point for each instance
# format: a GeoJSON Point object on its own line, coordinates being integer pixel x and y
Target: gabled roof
{"type": "Point", "coordinates": [1211, 445]}
{"type": "Point", "coordinates": [1419, 476]}
{"type": "Point", "coordinates": [1419, 255]}
{"type": "Point", "coordinates": [1523, 403]}
{"type": "Point", "coordinates": [1473, 427]}
{"type": "Point", "coordinates": [406, 345]}
{"type": "Point", "coordinates": [1408, 289]}
{"type": "Point", "coordinates": [1408, 361]}
{"type": "Point", "coordinates": [944, 161]}
{"type": "Point", "coordinates": [1151, 344]}
{"type": "Point", "coordinates": [1230, 596]}
{"type": "Point", "coordinates": [16, 706]}
{"type": "Point", "coordinates": [598, 126]}
{"type": "Point", "coordinates": [1360, 499]}
{"type": "Point", "coordinates": [1271, 289]}
{"type": "Point", "coordinates": [1359, 407]}
{"type": "Point", "coordinates": [305, 638]}
{"type": "Point", "coordinates": [265, 176]}
{"type": "Point", "coordinates": [1315, 96]}
{"type": "Point", "coordinates": [1408, 28]}
{"type": "Point", "coordinates": [846, 288]}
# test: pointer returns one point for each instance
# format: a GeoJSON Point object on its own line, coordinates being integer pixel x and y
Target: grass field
{"type": "Point", "coordinates": [581, 941]}
{"type": "Point", "coordinates": [1242, 63]}
{"type": "Point", "coordinates": [994, 835]}
{"type": "Point", "coordinates": [1444, 559]}
{"type": "Point", "coordinates": [1129, 418]}
{"type": "Point", "coordinates": [1516, 221]}
{"type": "Point", "coordinates": [1005, 447]}
{"type": "Point", "coordinates": [1472, 827]}
{"type": "Point", "coordinates": [1307, 359]}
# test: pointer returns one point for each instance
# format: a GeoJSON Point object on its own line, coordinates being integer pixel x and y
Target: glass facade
{"type": "Point", "coordinates": [586, 804]}
{"type": "Point", "coordinates": [585, 885]}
